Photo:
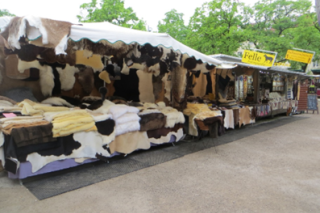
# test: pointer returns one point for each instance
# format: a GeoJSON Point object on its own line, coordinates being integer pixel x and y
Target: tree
{"type": "Point", "coordinates": [5, 12]}
{"type": "Point", "coordinates": [216, 27]}
{"type": "Point", "coordinates": [112, 11]}
{"type": "Point", "coordinates": [277, 25]}
{"type": "Point", "coordinates": [173, 24]}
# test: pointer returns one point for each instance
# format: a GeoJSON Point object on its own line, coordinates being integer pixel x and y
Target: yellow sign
{"type": "Point", "coordinates": [282, 64]}
{"type": "Point", "coordinates": [257, 58]}
{"type": "Point", "coordinates": [299, 56]}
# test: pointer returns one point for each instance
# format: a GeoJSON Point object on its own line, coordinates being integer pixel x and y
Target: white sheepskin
{"type": "Point", "coordinates": [173, 116]}
{"type": "Point", "coordinates": [165, 52]}
{"type": "Point", "coordinates": [127, 127]}
{"type": "Point", "coordinates": [128, 117]}
{"type": "Point", "coordinates": [67, 78]}
{"type": "Point", "coordinates": [145, 87]}
{"type": "Point", "coordinates": [167, 138]}
{"type": "Point", "coordinates": [105, 108]}
{"type": "Point", "coordinates": [46, 80]}
{"type": "Point", "coordinates": [155, 69]}
{"type": "Point", "coordinates": [120, 109]}
{"type": "Point", "coordinates": [125, 69]}
{"type": "Point", "coordinates": [13, 39]}
{"type": "Point", "coordinates": [5, 103]}
{"type": "Point", "coordinates": [57, 101]}
{"type": "Point", "coordinates": [62, 46]}
{"type": "Point", "coordinates": [201, 67]}
{"type": "Point", "coordinates": [46, 75]}
{"type": "Point", "coordinates": [24, 65]}
{"type": "Point", "coordinates": [161, 104]}
{"type": "Point", "coordinates": [37, 23]}
{"type": "Point", "coordinates": [167, 86]}
{"type": "Point", "coordinates": [100, 117]}
{"type": "Point", "coordinates": [91, 143]}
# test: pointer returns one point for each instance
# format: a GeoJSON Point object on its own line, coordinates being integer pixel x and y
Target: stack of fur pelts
{"type": "Point", "coordinates": [126, 118]}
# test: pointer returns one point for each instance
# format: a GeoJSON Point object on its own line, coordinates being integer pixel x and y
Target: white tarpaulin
{"type": "Point", "coordinates": [113, 33]}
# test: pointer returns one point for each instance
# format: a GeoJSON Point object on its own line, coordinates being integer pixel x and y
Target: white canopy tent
{"type": "Point", "coordinates": [113, 33]}
{"type": "Point", "coordinates": [104, 31]}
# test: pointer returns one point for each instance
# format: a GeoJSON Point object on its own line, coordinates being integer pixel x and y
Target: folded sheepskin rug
{"type": "Point", "coordinates": [66, 123]}
{"type": "Point", "coordinates": [7, 124]}
{"type": "Point", "coordinates": [32, 108]}
{"type": "Point", "coordinates": [7, 106]}
{"type": "Point", "coordinates": [57, 102]}
{"type": "Point", "coordinates": [126, 118]}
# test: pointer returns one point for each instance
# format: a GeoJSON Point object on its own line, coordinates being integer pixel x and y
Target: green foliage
{"type": "Point", "coordinates": [5, 12]}
{"type": "Point", "coordinates": [275, 23]}
{"type": "Point", "coordinates": [112, 11]}
{"type": "Point", "coordinates": [173, 25]}
{"type": "Point", "coordinates": [216, 27]}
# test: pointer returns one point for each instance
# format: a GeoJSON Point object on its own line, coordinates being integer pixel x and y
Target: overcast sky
{"type": "Point", "coordinates": [150, 11]}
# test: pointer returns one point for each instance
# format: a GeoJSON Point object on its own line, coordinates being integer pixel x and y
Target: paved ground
{"type": "Point", "coordinates": [273, 171]}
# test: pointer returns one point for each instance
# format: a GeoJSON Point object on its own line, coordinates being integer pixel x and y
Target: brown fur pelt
{"type": "Point", "coordinates": [7, 83]}
{"type": "Point", "coordinates": [179, 85]}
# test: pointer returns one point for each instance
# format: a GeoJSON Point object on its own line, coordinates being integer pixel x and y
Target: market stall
{"type": "Point", "coordinates": [267, 91]}
{"type": "Point", "coordinates": [73, 94]}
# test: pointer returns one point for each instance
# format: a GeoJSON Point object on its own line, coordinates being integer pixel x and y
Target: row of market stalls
{"type": "Point", "coordinates": [77, 93]}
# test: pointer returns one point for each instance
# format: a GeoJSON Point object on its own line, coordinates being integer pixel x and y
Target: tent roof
{"type": "Point", "coordinates": [113, 33]}
{"type": "Point", "coordinates": [227, 59]}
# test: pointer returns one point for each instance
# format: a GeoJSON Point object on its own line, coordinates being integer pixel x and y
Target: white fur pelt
{"type": "Point", "coordinates": [127, 127]}
{"type": "Point", "coordinates": [67, 78]}
{"type": "Point", "coordinates": [128, 117]}
{"type": "Point", "coordinates": [167, 86]}
{"type": "Point", "coordinates": [145, 83]}
{"type": "Point", "coordinates": [5, 103]}
{"type": "Point", "coordinates": [120, 109]}
{"type": "Point", "coordinates": [91, 143]}
{"type": "Point", "coordinates": [46, 80]}
{"type": "Point", "coordinates": [155, 69]}
{"type": "Point", "coordinates": [45, 72]}
{"type": "Point", "coordinates": [57, 101]}
{"type": "Point", "coordinates": [173, 116]}
{"type": "Point", "coordinates": [201, 67]}
{"type": "Point", "coordinates": [165, 53]}
{"type": "Point", "coordinates": [165, 139]}
{"type": "Point", "coordinates": [125, 69]}
{"type": "Point", "coordinates": [97, 117]}
{"type": "Point", "coordinates": [24, 65]}
{"type": "Point", "coordinates": [105, 108]}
